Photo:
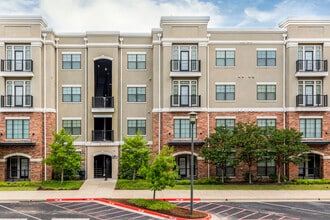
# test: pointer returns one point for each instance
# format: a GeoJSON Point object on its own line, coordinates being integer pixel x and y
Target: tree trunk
{"type": "Point", "coordinates": [222, 175]}
{"type": "Point", "coordinates": [154, 195]}
{"type": "Point", "coordinates": [250, 175]}
{"type": "Point", "coordinates": [134, 174]}
{"type": "Point", "coordinates": [279, 173]}
{"type": "Point", "coordinates": [62, 175]}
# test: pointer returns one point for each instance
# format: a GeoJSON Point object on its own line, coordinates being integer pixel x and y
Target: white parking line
{"type": "Point", "coordinates": [13, 210]}
{"type": "Point", "coordinates": [13, 218]}
{"type": "Point", "coordinates": [70, 218]}
{"type": "Point", "coordinates": [291, 207]}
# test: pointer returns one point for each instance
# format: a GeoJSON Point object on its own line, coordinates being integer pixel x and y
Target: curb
{"type": "Point", "coordinates": [140, 210]}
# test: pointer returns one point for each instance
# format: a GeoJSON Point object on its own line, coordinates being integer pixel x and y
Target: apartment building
{"type": "Point", "coordinates": [103, 86]}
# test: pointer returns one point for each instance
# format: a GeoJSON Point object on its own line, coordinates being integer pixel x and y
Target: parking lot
{"type": "Point", "coordinates": [92, 210]}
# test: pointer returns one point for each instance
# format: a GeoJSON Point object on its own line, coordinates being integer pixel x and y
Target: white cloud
{"type": "Point", "coordinates": [123, 15]}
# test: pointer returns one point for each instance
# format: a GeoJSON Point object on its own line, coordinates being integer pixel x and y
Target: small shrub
{"type": "Point", "coordinates": [206, 182]}
{"type": "Point", "coordinates": [246, 176]}
{"type": "Point", "coordinates": [155, 205]}
{"type": "Point", "coordinates": [19, 184]}
{"type": "Point", "coordinates": [308, 181]}
{"type": "Point", "coordinates": [183, 182]}
{"type": "Point", "coordinates": [272, 177]}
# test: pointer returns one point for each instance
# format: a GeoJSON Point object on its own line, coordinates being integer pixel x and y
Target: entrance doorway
{"type": "Point", "coordinates": [102, 166]}
{"type": "Point", "coordinates": [18, 168]}
{"type": "Point", "coordinates": [311, 169]}
{"type": "Point", "coordinates": [183, 166]}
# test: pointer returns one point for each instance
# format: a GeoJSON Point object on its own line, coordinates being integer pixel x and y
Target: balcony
{"type": "Point", "coordinates": [311, 68]}
{"type": "Point", "coordinates": [16, 101]}
{"type": "Point", "coordinates": [185, 68]}
{"type": "Point", "coordinates": [185, 101]}
{"type": "Point", "coordinates": [312, 100]}
{"type": "Point", "coordinates": [16, 68]}
{"type": "Point", "coordinates": [102, 135]}
{"type": "Point", "coordinates": [103, 104]}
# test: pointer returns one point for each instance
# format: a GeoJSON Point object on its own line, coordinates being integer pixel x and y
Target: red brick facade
{"type": "Point", "coordinates": [34, 153]}
{"type": "Point", "coordinates": [204, 122]}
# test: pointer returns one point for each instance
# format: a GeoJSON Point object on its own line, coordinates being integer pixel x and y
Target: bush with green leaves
{"type": "Point", "coordinates": [308, 181]}
{"type": "Point", "coordinates": [156, 205]}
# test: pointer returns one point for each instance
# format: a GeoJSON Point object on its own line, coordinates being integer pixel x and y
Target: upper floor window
{"type": "Point", "coordinates": [136, 94]}
{"type": "Point", "coordinates": [311, 127]}
{"type": "Point", "coordinates": [136, 61]}
{"type": "Point", "coordinates": [226, 123]}
{"type": "Point", "coordinates": [133, 126]}
{"type": "Point", "coordinates": [266, 92]}
{"type": "Point", "coordinates": [225, 57]}
{"type": "Point", "coordinates": [266, 123]}
{"type": "Point", "coordinates": [18, 58]}
{"type": "Point", "coordinates": [17, 128]}
{"type": "Point", "coordinates": [18, 93]}
{"type": "Point", "coordinates": [71, 61]}
{"type": "Point", "coordinates": [72, 127]}
{"type": "Point", "coordinates": [71, 94]}
{"type": "Point", "coordinates": [182, 129]}
{"type": "Point", "coordinates": [184, 58]}
{"type": "Point", "coordinates": [225, 92]}
{"type": "Point", "coordinates": [266, 57]}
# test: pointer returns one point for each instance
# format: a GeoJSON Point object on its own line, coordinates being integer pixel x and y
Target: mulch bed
{"type": "Point", "coordinates": [178, 212]}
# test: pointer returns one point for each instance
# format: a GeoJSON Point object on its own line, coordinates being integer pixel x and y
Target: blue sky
{"type": "Point", "coordinates": [143, 15]}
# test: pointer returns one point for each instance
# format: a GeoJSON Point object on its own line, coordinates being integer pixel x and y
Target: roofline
{"type": "Point", "coordinates": [184, 20]}
{"type": "Point", "coordinates": [308, 21]}
{"type": "Point", "coordinates": [252, 30]}
{"type": "Point", "coordinates": [24, 19]}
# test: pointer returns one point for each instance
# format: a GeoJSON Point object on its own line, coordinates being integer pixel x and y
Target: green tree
{"type": "Point", "coordinates": [135, 156]}
{"type": "Point", "coordinates": [63, 155]}
{"type": "Point", "coordinates": [161, 172]}
{"type": "Point", "coordinates": [285, 146]}
{"type": "Point", "coordinates": [251, 141]}
{"type": "Point", "coordinates": [218, 149]}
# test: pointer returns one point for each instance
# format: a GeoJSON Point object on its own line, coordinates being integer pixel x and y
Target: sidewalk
{"type": "Point", "coordinates": [99, 188]}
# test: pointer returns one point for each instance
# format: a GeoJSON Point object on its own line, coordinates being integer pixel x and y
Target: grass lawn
{"type": "Point", "coordinates": [144, 185]}
{"type": "Point", "coordinates": [46, 185]}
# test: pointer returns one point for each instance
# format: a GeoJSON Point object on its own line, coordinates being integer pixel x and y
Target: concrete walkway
{"type": "Point", "coordinates": [99, 188]}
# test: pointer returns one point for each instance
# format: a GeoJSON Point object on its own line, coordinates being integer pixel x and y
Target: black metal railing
{"type": "Point", "coordinates": [102, 135]}
{"type": "Point", "coordinates": [185, 100]}
{"type": "Point", "coordinates": [16, 65]}
{"type": "Point", "coordinates": [103, 102]}
{"type": "Point", "coordinates": [16, 101]}
{"type": "Point", "coordinates": [17, 174]}
{"type": "Point", "coordinates": [185, 65]}
{"type": "Point", "coordinates": [311, 65]}
{"type": "Point", "coordinates": [312, 100]}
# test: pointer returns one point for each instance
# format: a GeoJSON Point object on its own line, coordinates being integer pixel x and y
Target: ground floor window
{"type": "Point", "coordinates": [266, 167]}
{"type": "Point", "coordinates": [229, 171]}
{"type": "Point", "coordinates": [183, 166]}
{"type": "Point", "coordinates": [18, 167]}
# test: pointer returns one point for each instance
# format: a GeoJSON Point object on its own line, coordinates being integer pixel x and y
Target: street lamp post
{"type": "Point", "coordinates": [192, 120]}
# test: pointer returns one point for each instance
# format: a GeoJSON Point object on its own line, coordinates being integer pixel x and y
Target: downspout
{"type": "Point", "coordinates": [86, 107]}
{"type": "Point", "coordinates": [208, 94]}
{"type": "Point", "coordinates": [121, 39]}
{"type": "Point", "coordinates": [44, 110]}
{"type": "Point", "coordinates": [57, 93]}
{"type": "Point", "coordinates": [284, 88]}
{"type": "Point", "coordinates": [159, 106]}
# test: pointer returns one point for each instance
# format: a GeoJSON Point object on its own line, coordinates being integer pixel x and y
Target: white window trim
{"type": "Point", "coordinates": [136, 118]}
{"type": "Point", "coordinates": [17, 118]}
{"type": "Point", "coordinates": [222, 49]}
{"type": "Point", "coordinates": [129, 53]}
{"type": "Point", "coordinates": [102, 116]}
{"type": "Point", "coordinates": [65, 53]}
{"type": "Point", "coordinates": [267, 49]}
{"type": "Point", "coordinates": [225, 117]}
{"type": "Point", "coordinates": [310, 117]}
{"type": "Point", "coordinates": [225, 83]}
{"type": "Point", "coordinates": [71, 118]}
{"type": "Point", "coordinates": [266, 83]}
{"type": "Point", "coordinates": [69, 86]}
{"type": "Point", "coordinates": [266, 117]}
{"type": "Point", "coordinates": [140, 86]}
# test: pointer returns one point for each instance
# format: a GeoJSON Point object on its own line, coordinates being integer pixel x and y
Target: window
{"type": "Point", "coordinates": [71, 94]}
{"type": "Point", "coordinates": [266, 123]}
{"type": "Point", "coordinates": [310, 58]}
{"type": "Point", "coordinates": [182, 129]}
{"type": "Point", "coordinates": [266, 167]}
{"type": "Point", "coordinates": [225, 92]}
{"type": "Point", "coordinates": [311, 127]}
{"type": "Point", "coordinates": [17, 128]}
{"type": "Point", "coordinates": [136, 61]}
{"type": "Point", "coordinates": [266, 92]}
{"type": "Point", "coordinates": [71, 61]}
{"type": "Point", "coordinates": [266, 58]}
{"type": "Point", "coordinates": [72, 127]}
{"type": "Point", "coordinates": [185, 93]}
{"type": "Point", "coordinates": [18, 93]}
{"type": "Point", "coordinates": [184, 58]}
{"type": "Point", "coordinates": [136, 94]}
{"type": "Point", "coordinates": [18, 58]}
{"type": "Point", "coordinates": [310, 93]}
{"type": "Point", "coordinates": [229, 170]}
{"type": "Point", "coordinates": [225, 58]}
{"type": "Point", "coordinates": [227, 123]}
{"type": "Point", "coordinates": [133, 126]}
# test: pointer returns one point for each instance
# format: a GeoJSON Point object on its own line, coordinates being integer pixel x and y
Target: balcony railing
{"type": "Point", "coordinates": [185, 100]}
{"type": "Point", "coordinates": [185, 65]}
{"type": "Point", "coordinates": [102, 135]}
{"type": "Point", "coordinates": [17, 101]}
{"type": "Point", "coordinates": [312, 100]}
{"type": "Point", "coordinates": [311, 65]}
{"type": "Point", "coordinates": [16, 65]}
{"type": "Point", "coordinates": [103, 102]}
